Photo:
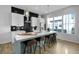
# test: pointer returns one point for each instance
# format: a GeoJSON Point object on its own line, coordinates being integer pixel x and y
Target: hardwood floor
{"type": "Point", "coordinates": [6, 48]}
{"type": "Point", "coordinates": [61, 47]}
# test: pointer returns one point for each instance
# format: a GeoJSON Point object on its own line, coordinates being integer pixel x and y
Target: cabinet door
{"type": "Point", "coordinates": [15, 19]}
{"type": "Point", "coordinates": [34, 21]}
{"type": "Point", "coordinates": [21, 20]}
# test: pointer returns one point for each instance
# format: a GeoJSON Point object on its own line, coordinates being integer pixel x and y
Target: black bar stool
{"type": "Point", "coordinates": [40, 43]}
{"type": "Point", "coordinates": [29, 46]}
{"type": "Point", "coordinates": [46, 42]}
{"type": "Point", "coordinates": [51, 40]}
{"type": "Point", "coordinates": [23, 46]}
{"type": "Point", "coordinates": [54, 37]}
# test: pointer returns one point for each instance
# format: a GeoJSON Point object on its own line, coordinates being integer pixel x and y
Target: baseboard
{"type": "Point", "coordinates": [68, 41]}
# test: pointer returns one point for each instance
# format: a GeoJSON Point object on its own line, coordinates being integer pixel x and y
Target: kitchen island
{"type": "Point", "coordinates": [19, 38]}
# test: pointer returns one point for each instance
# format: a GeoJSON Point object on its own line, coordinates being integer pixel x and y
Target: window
{"type": "Point", "coordinates": [58, 23]}
{"type": "Point", "coordinates": [65, 23]}
{"type": "Point", "coordinates": [69, 24]}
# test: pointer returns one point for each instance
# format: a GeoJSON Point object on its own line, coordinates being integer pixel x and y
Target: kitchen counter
{"type": "Point", "coordinates": [31, 36]}
{"type": "Point", "coordinates": [18, 39]}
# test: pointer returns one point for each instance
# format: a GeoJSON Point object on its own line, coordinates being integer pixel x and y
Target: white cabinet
{"type": "Point", "coordinates": [21, 20]}
{"type": "Point", "coordinates": [17, 20]}
{"type": "Point", "coordinates": [34, 21]}
{"type": "Point", "coordinates": [14, 19]}
{"type": "Point", "coordinates": [42, 21]}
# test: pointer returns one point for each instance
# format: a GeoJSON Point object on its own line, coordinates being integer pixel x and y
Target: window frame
{"type": "Point", "coordinates": [64, 23]}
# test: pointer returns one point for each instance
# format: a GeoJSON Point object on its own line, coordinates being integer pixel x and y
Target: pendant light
{"type": "Point", "coordinates": [27, 15]}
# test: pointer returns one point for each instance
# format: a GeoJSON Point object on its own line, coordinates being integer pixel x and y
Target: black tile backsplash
{"type": "Point", "coordinates": [31, 14]}
{"type": "Point", "coordinates": [17, 10]}
{"type": "Point", "coordinates": [21, 11]}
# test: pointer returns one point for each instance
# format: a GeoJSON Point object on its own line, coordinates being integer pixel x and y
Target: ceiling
{"type": "Point", "coordinates": [41, 9]}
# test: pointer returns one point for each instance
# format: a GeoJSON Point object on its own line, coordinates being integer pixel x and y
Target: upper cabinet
{"type": "Point", "coordinates": [14, 19]}
{"type": "Point", "coordinates": [17, 16]}
{"type": "Point", "coordinates": [17, 19]}
{"type": "Point", "coordinates": [39, 23]}
{"type": "Point", "coordinates": [34, 21]}
{"type": "Point", "coordinates": [21, 20]}
{"type": "Point", "coordinates": [42, 24]}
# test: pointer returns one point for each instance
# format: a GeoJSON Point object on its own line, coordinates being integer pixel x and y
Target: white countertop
{"type": "Point", "coordinates": [13, 36]}
{"type": "Point", "coordinates": [29, 37]}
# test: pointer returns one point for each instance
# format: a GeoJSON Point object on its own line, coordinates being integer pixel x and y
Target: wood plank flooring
{"type": "Point", "coordinates": [6, 48]}
{"type": "Point", "coordinates": [61, 47]}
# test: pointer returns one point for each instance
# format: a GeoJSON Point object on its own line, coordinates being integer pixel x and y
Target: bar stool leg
{"type": "Point", "coordinates": [35, 48]}
{"type": "Point", "coordinates": [44, 44]}
{"type": "Point", "coordinates": [28, 49]}
{"type": "Point", "coordinates": [24, 49]}
{"type": "Point", "coordinates": [39, 48]}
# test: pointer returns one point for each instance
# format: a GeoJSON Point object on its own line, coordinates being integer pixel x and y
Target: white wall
{"type": "Point", "coordinates": [5, 23]}
{"type": "Point", "coordinates": [63, 36]}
